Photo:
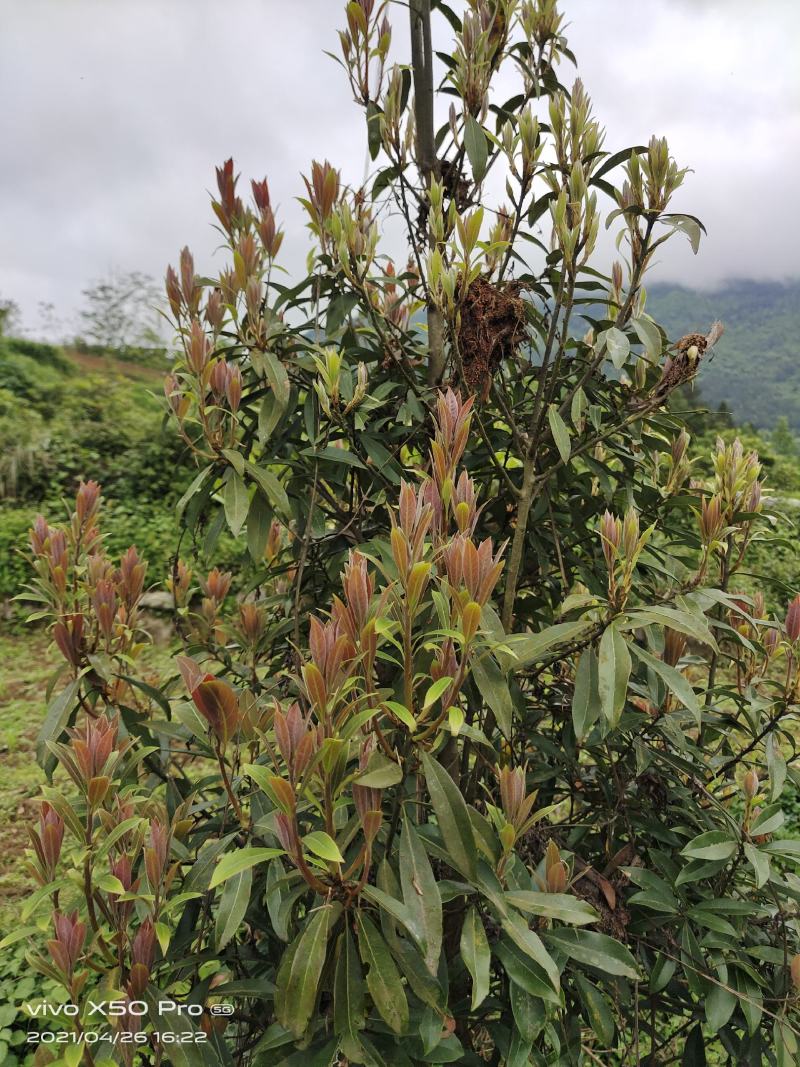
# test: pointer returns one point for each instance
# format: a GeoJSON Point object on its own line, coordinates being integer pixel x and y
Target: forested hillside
{"type": "Point", "coordinates": [756, 369]}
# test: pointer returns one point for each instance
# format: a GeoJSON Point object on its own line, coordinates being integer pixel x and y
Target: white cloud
{"type": "Point", "coordinates": [116, 114]}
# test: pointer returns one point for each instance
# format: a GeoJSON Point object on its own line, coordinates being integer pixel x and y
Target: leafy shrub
{"type": "Point", "coordinates": [486, 761]}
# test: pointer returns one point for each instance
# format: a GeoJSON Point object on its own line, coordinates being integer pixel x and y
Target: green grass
{"type": "Point", "coordinates": [26, 663]}
{"type": "Point", "coordinates": [28, 659]}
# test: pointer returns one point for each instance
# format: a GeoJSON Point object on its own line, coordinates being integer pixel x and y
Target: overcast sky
{"type": "Point", "coordinates": [115, 113]}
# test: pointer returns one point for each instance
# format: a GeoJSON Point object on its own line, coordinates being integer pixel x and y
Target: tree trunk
{"type": "Point", "coordinates": [422, 68]}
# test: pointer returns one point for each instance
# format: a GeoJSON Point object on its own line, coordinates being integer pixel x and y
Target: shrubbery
{"type": "Point", "coordinates": [485, 762]}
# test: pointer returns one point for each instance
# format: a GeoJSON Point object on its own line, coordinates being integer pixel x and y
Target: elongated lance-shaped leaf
{"type": "Point", "coordinates": [614, 670]}
{"type": "Point", "coordinates": [300, 982]}
{"type": "Point", "coordinates": [452, 816]}
{"type": "Point", "coordinates": [383, 978]}
{"type": "Point", "coordinates": [348, 989]}
{"type": "Point", "coordinates": [232, 906]}
{"type": "Point", "coordinates": [476, 954]}
{"type": "Point", "coordinates": [595, 950]}
{"type": "Point", "coordinates": [421, 895]}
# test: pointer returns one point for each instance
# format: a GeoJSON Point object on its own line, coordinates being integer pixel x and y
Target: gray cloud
{"type": "Point", "coordinates": [115, 115]}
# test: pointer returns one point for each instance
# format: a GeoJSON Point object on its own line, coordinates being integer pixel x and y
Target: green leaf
{"type": "Point", "coordinates": [452, 816]}
{"type": "Point", "coordinates": [530, 648]}
{"type": "Point", "coordinates": [186, 1049]}
{"type": "Point", "coordinates": [493, 687]}
{"type": "Point", "coordinates": [688, 225]}
{"type": "Point", "coordinates": [401, 712]}
{"type": "Point", "coordinates": [236, 501]}
{"type": "Point", "coordinates": [476, 954]}
{"type": "Point", "coordinates": [672, 678]}
{"type": "Point", "coordinates": [617, 345]}
{"type": "Point", "coordinates": [234, 862]}
{"type": "Point", "coordinates": [613, 672]}
{"type": "Point", "coordinates": [58, 712]}
{"type": "Point", "coordinates": [269, 415]}
{"type": "Point", "coordinates": [720, 1006]}
{"type": "Point", "coordinates": [560, 433]}
{"type": "Point", "coordinates": [586, 698]}
{"type": "Point", "coordinates": [421, 895]}
{"type": "Point", "coordinates": [348, 989]}
{"type": "Point", "coordinates": [334, 455]}
{"type": "Point", "coordinates": [598, 1011]}
{"type": "Point", "coordinates": [477, 147]}
{"type": "Point", "coordinates": [521, 969]}
{"type": "Point", "coordinates": [594, 950]}
{"type": "Point", "coordinates": [767, 821]}
{"type": "Point", "coordinates": [232, 906]}
{"type": "Point", "coordinates": [259, 520]}
{"type": "Point", "coordinates": [20, 934]}
{"type": "Point", "coordinates": [561, 906]}
{"type": "Point", "coordinates": [776, 765]}
{"type": "Point", "coordinates": [682, 621]}
{"type": "Point", "coordinates": [529, 1015]}
{"type": "Point", "coordinates": [380, 772]}
{"type": "Point", "coordinates": [277, 378]}
{"type": "Point", "coordinates": [661, 974]}
{"type": "Point", "coordinates": [422, 982]}
{"type": "Point", "coordinates": [759, 862]}
{"type": "Point", "coordinates": [441, 685]}
{"type": "Point", "coordinates": [195, 487]}
{"type": "Point", "coordinates": [323, 845]}
{"type": "Point", "coordinates": [531, 944]}
{"type": "Point", "coordinates": [694, 1052]}
{"type": "Point", "coordinates": [785, 1042]}
{"type": "Point", "coordinates": [711, 845]}
{"type": "Point", "coordinates": [383, 979]}
{"type": "Point", "coordinates": [270, 486]}
{"type": "Point", "coordinates": [649, 335]}
{"type": "Point", "coordinates": [373, 129]}
{"type": "Point", "coordinates": [299, 993]}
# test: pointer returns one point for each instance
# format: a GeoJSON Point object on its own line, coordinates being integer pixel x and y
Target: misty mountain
{"type": "Point", "coordinates": [756, 366]}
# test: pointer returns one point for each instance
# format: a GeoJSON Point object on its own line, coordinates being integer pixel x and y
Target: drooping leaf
{"type": "Point", "coordinates": [529, 648]}
{"type": "Point", "coordinates": [270, 486]}
{"type": "Point", "coordinates": [529, 1014]}
{"type": "Point", "coordinates": [720, 1005]}
{"type": "Point", "coordinates": [236, 501]}
{"type": "Point", "coordinates": [277, 377]}
{"type": "Point", "coordinates": [348, 989]}
{"type": "Point", "coordinates": [586, 698]}
{"type": "Point", "coordinates": [561, 906]}
{"type": "Point", "coordinates": [595, 950]}
{"type": "Point", "coordinates": [493, 687]}
{"type": "Point", "coordinates": [383, 979]}
{"type": "Point", "coordinates": [560, 432]}
{"type": "Point", "coordinates": [691, 625]}
{"type": "Point", "coordinates": [676, 682]}
{"type": "Point", "coordinates": [232, 906]}
{"type": "Point", "coordinates": [476, 954]}
{"type": "Point", "coordinates": [421, 894]}
{"type": "Point", "coordinates": [649, 335]}
{"type": "Point", "coordinates": [300, 982]}
{"type": "Point", "coordinates": [452, 816]}
{"type": "Point", "coordinates": [57, 717]}
{"type": "Point", "coordinates": [617, 345]}
{"type": "Point", "coordinates": [613, 672]}
{"type": "Point", "coordinates": [477, 147]}
{"type": "Point", "coordinates": [598, 1011]}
